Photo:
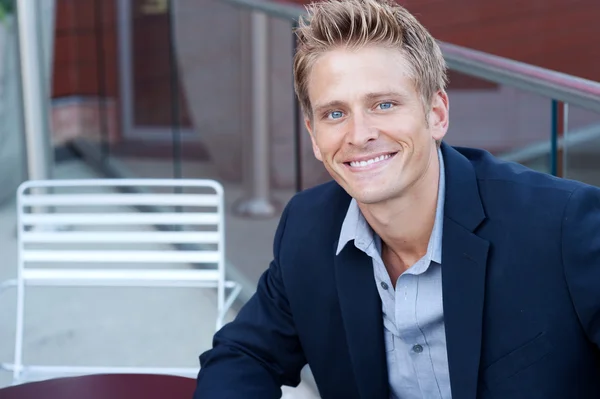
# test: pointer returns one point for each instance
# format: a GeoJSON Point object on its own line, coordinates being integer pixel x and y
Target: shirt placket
{"type": "Point", "coordinates": [407, 321]}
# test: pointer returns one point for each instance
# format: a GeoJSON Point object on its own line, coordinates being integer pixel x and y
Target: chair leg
{"type": "Point", "coordinates": [18, 363]}
{"type": "Point", "coordinates": [237, 288]}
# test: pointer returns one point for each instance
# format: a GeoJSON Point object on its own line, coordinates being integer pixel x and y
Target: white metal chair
{"type": "Point", "coordinates": [189, 224]}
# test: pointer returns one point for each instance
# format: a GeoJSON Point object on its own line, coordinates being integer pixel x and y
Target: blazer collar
{"type": "Point", "coordinates": [463, 203]}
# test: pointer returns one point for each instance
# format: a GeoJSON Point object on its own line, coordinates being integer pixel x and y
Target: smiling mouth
{"type": "Point", "coordinates": [372, 161]}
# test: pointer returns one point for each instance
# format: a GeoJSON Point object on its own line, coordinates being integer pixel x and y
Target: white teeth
{"type": "Point", "coordinates": [370, 161]}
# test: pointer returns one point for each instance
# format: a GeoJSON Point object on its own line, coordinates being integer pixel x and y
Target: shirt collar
{"type": "Point", "coordinates": [355, 226]}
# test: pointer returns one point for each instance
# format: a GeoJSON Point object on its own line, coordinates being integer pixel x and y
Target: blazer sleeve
{"type": "Point", "coordinates": [581, 257]}
{"type": "Point", "coordinates": [257, 353]}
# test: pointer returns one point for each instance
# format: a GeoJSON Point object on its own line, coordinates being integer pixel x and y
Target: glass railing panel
{"type": "Point", "coordinates": [579, 156]}
{"type": "Point", "coordinates": [171, 101]}
{"type": "Point", "coordinates": [227, 95]}
{"type": "Point", "coordinates": [186, 105]}
{"type": "Point", "coordinates": [506, 121]}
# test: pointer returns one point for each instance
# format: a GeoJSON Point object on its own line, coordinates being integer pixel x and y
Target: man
{"type": "Point", "coordinates": [424, 271]}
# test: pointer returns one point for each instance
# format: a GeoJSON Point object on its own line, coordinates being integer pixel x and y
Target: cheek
{"type": "Point", "coordinates": [328, 143]}
{"type": "Point", "coordinates": [404, 127]}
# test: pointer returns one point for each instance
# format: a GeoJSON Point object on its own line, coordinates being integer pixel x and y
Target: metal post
{"type": "Point", "coordinates": [554, 138]}
{"type": "Point", "coordinates": [35, 98]}
{"type": "Point", "coordinates": [259, 203]}
{"type": "Point", "coordinates": [560, 113]}
{"type": "Point", "coordinates": [564, 141]}
{"type": "Point", "coordinates": [174, 92]}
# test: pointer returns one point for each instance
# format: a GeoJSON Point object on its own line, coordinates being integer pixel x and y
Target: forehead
{"type": "Point", "coordinates": [348, 74]}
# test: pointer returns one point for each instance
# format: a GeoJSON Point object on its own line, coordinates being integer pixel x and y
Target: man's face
{"type": "Point", "coordinates": [369, 126]}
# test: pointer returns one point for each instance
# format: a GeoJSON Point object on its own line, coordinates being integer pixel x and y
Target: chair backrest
{"type": "Point", "coordinates": [111, 218]}
{"type": "Point", "coordinates": [120, 232]}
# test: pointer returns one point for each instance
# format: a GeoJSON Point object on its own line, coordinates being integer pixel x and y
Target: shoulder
{"type": "Point", "coordinates": [315, 212]}
{"type": "Point", "coordinates": [516, 196]}
{"type": "Point", "coordinates": [496, 174]}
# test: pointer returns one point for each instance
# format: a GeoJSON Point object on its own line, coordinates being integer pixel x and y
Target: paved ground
{"type": "Point", "coordinates": [124, 327]}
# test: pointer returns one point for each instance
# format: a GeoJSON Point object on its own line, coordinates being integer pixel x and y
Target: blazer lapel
{"type": "Point", "coordinates": [363, 321]}
{"type": "Point", "coordinates": [464, 259]}
{"type": "Point", "coordinates": [463, 280]}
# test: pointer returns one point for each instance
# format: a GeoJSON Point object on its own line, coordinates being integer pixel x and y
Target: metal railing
{"type": "Point", "coordinates": [562, 89]}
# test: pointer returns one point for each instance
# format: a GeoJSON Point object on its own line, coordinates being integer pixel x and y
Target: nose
{"type": "Point", "coordinates": [360, 131]}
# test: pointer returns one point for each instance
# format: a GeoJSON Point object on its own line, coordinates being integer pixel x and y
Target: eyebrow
{"type": "Point", "coordinates": [367, 97]}
{"type": "Point", "coordinates": [391, 93]}
{"type": "Point", "coordinates": [331, 104]}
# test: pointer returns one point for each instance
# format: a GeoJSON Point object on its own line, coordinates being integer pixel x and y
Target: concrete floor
{"type": "Point", "coordinates": [106, 326]}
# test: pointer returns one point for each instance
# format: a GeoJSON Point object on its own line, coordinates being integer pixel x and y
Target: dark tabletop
{"type": "Point", "coordinates": [105, 386]}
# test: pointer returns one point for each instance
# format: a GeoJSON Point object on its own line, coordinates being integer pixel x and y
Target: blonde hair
{"type": "Point", "coordinates": [357, 23]}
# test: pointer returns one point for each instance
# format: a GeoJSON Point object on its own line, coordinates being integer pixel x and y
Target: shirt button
{"type": "Point", "coordinates": [384, 285]}
{"type": "Point", "coordinates": [417, 348]}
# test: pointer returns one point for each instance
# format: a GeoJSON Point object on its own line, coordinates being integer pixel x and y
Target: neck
{"type": "Point", "coordinates": [404, 223]}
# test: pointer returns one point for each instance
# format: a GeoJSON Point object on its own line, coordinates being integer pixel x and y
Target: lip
{"type": "Point", "coordinates": [370, 166]}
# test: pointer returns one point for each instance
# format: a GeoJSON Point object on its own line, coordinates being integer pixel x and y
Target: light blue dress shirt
{"type": "Point", "coordinates": [413, 314]}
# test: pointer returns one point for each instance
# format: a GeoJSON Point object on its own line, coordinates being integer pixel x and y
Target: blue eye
{"type": "Point", "coordinates": [385, 105]}
{"type": "Point", "coordinates": [336, 114]}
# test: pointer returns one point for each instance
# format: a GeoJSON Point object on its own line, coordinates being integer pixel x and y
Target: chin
{"type": "Point", "coordinates": [372, 196]}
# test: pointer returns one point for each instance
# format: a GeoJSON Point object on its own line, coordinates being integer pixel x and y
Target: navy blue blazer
{"type": "Point", "coordinates": [521, 292]}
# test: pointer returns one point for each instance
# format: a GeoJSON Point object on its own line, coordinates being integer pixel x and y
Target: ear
{"type": "Point", "coordinates": [316, 150]}
{"type": "Point", "coordinates": [439, 113]}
